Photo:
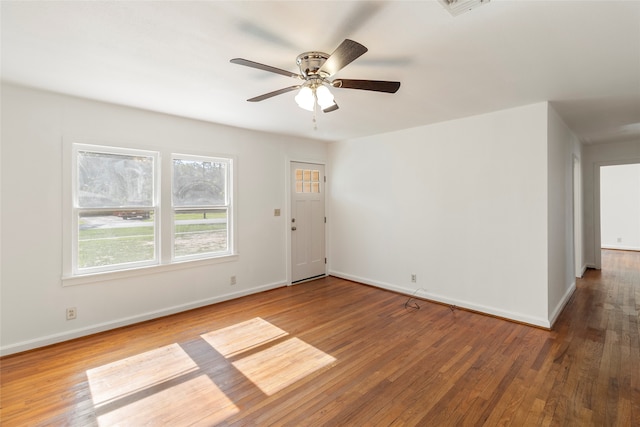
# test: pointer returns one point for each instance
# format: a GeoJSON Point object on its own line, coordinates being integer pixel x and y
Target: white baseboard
{"type": "Point", "coordinates": [583, 270]}
{"type": "Point", "coordinates": [563, 301]}
{"type": "Point", "coordinates": [517, 317]}
{"type": "Point", "coordinates": [101, 327]}
{"type": "Point", "coordinates": [620, 247]}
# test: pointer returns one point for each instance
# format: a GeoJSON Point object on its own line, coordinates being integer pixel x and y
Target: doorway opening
{"type": "Point", "coordinates": [620, 207]}
{"type": "Point", "coordinates": [617, 207]}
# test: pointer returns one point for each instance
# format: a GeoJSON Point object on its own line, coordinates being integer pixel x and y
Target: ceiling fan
{"type": "Point", "coordinates": [316, 70]}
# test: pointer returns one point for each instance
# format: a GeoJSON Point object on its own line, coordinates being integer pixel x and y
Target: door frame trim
{"type": "Point", "coordinates": [287, 216]}
{"type": "Point", "coordinates": [597, 238]}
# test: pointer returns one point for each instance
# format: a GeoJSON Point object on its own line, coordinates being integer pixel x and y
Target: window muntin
{"type": "Point", "coordinates": [201, 206]}
{"type": "Point", "coordinates": [115, 209]}
{"type": "Point", "coordinates": [307, 181]}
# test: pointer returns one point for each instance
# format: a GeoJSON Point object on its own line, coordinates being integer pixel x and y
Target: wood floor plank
{"type": "Point", "coordinates": [333, 352]}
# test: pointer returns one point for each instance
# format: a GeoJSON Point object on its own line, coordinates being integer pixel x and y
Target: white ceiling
{"type": "Point", "coordinates": [173, 57]}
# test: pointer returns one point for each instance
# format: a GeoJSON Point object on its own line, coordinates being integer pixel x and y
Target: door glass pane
{"type": "Point", "coordinates": [307, 181]}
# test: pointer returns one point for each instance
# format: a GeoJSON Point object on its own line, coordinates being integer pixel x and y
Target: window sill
{"type": "Point", "coordinates": [143, 271]}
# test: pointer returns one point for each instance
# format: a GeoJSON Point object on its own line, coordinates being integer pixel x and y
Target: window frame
{"type": "Point", "coordinates": [164, 226]}
{"type": "Point", "coordinates": [228, 205]}
{"type": "Point", "coordinates": [76, 210]}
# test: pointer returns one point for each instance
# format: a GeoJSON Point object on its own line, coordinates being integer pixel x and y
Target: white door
{"type": "Point", "coordinates": [307, 221]}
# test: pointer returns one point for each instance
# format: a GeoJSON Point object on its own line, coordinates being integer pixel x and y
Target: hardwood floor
{"type": "Point", "coordinates": [336, 353]}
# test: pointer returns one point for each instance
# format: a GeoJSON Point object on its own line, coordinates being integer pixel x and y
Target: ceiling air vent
{"type": "Point", "coordinates": [456, 7]}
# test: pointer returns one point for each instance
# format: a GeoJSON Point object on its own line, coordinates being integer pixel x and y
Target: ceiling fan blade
{"type": "Point", "coordinates": [344, 54]}
{"type": "Point", "coordinates": [374, 85]}
{"type": "Point", "coordinates": [331, 108]}
{"type": "Point", "coordinates": [274, 93]}
{"type": "Point", "coordinates": [259, 66]}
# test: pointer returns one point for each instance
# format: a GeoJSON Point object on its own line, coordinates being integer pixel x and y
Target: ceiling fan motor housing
{"type": "Point", "coordinates": [310, 64]}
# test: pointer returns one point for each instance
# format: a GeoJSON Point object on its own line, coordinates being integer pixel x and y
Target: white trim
{"type": "Point", "coordinates": [621, 248]}
{"type": "Point", "coordinates": [577, 208]}
{"type": "Point", "coordinates": [101, 327]}
{"type": "Point", "coordinates": [228, 205]}
{"type": "Point", "coordinates": [143, 271]}
{"type": "Point", "coordinates": [583, 270]}
{"type": "Point", "coordinates": [563, 302]}
{"type": "Point", "coordinates": [518, 317]}
{"type": "Point", "coordinates": [76, 210]}
{"type": "Point", "coordinates": [163, 226]}
{"type": "Point", "coordinates": [597, 238]}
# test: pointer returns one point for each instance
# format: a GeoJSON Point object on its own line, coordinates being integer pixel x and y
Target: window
{"type": "Point", "coordinates": [121, 219]}
{"type": "Point", "coordinates": [115, 209]}
{"type": "Point", "coordinates": [307, 181]}
{"type": "Point", "coordinates": [200, 205]}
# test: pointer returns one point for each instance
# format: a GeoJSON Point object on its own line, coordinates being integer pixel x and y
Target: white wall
{"type": "Point", "coordinates": [462, 204]}
{"type": "Point", "coordinates": [594, 157]}
{"type": "Point", "coordinates": [33, 305]}
{"type": "Point", "coordinates": [620, 207]}
{"type": "Point", "coordinates": [563, 149]}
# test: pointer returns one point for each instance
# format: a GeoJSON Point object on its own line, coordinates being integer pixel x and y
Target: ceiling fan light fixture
{"type": "Point", "coordinates": [305, 98]}
{"type": "Point", "coordinates": [325, 97]}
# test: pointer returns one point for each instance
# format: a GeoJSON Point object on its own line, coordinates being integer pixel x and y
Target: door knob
{"type": "Point", "coordinates": [294, 228]}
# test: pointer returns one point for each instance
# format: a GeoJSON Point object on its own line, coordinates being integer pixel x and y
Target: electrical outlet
{"type": "Point", "coordinates": [619, 239]}
{"type": "Point", "coordinates": [276, 212]}
{"type": "Point", "coordinates": [232, 280]}
{"type": "Point", "coordinates": [72, 313]}
{"type": "Point", "coordinates": [414, 279]}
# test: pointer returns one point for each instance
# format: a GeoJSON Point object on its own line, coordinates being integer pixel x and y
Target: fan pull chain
{"type": "Point", "coordinates": [315, 109]}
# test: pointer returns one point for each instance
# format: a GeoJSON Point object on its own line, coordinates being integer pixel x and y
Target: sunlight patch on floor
{"type": "Point", "coordinates": [283, 364]}
{"type": "Point", "coordinates": [158, 387]}
{"type": "Point", "coordinates": [196, 401]}
{"type": "Point", "coordinates": [244, 336]}
{"type": "Point", "coordinates": [138, 373]}
{"type": "Point", "coordinates": [266, 355]}
{"type": "Point", "coordinates": [165, 386]}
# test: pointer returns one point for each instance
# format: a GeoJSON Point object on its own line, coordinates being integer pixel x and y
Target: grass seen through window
{"type": "Point", "coordinates": [200, 233]}
{"type": "Point", "coordinates": [113, 240]}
